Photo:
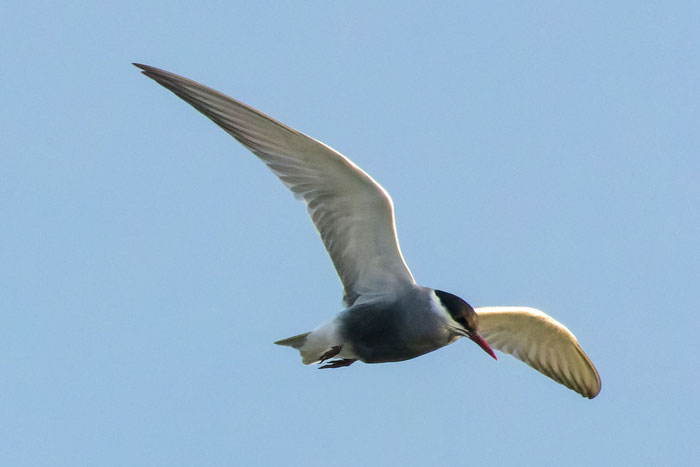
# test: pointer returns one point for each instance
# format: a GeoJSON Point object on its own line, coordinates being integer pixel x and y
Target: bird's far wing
{"type": "Point", "coordinates": [543, 343]}
{"type": "Point", "coordinates": [352, 212]}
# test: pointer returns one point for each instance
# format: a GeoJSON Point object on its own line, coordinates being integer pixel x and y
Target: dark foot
{"type": "Point", "coordinates": [338, 363]}
{"type": "Point", "coordinates": [331, 353]}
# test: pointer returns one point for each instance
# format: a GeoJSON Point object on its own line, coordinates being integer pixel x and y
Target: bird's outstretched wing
{"type": "Point", "coordinates": [351, 211]}
{"type": "Point", "coordinates": [543, 343]}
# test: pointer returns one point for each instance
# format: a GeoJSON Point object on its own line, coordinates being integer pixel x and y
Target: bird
{"type": "Point", "coordinates": [387, 316]}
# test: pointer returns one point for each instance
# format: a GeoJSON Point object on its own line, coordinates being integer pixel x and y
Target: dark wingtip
{"type": "Point", "coordinates": [594, 393]}
{"type": "Point", "coordinates": [149, 71]}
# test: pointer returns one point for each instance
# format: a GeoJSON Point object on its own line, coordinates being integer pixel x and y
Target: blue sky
{"type": "Point", "coordinates": [538, 154]}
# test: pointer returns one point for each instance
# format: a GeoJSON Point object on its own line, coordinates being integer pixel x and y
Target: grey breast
{"type": "Point", "coordinates": [391, 331]}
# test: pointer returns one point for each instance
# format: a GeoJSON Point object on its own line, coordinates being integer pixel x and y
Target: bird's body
{"type": "Point", "coordinates": [382, 331]}
{"type": "Point", "coordinates": [388, 316]}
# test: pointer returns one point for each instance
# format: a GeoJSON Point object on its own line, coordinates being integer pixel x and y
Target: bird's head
{"type": "Point", "coordinates": [464, 318]}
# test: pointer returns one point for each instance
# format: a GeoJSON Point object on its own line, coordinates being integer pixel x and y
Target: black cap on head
{"type": "Point", "coordinates": [461, 311]}
{"type": "Point", "coordinates": [464, 314]}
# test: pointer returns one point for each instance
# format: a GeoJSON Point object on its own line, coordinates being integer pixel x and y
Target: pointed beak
{"type": "Point", "coordinates": [481, 343]}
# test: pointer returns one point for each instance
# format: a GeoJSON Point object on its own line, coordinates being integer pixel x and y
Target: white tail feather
{"type": "Point", "coordinates": [312, 345]}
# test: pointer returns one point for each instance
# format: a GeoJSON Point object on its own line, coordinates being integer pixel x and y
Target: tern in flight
{"type": "Point", "coordinates": [388, 316]}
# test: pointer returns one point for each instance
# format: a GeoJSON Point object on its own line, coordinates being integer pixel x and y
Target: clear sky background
{"type": "Point", "coordinates": [539, 154]}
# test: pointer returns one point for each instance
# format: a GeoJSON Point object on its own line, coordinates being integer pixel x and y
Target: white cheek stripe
{"type": "Point", "coordinates": [439, 308]}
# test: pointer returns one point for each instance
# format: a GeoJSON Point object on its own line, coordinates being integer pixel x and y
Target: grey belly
{"type": "Point", "coordinates": [386, 334]}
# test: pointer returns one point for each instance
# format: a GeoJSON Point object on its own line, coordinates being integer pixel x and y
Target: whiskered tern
{"type": "Point", "coordinates": [388, 317]}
